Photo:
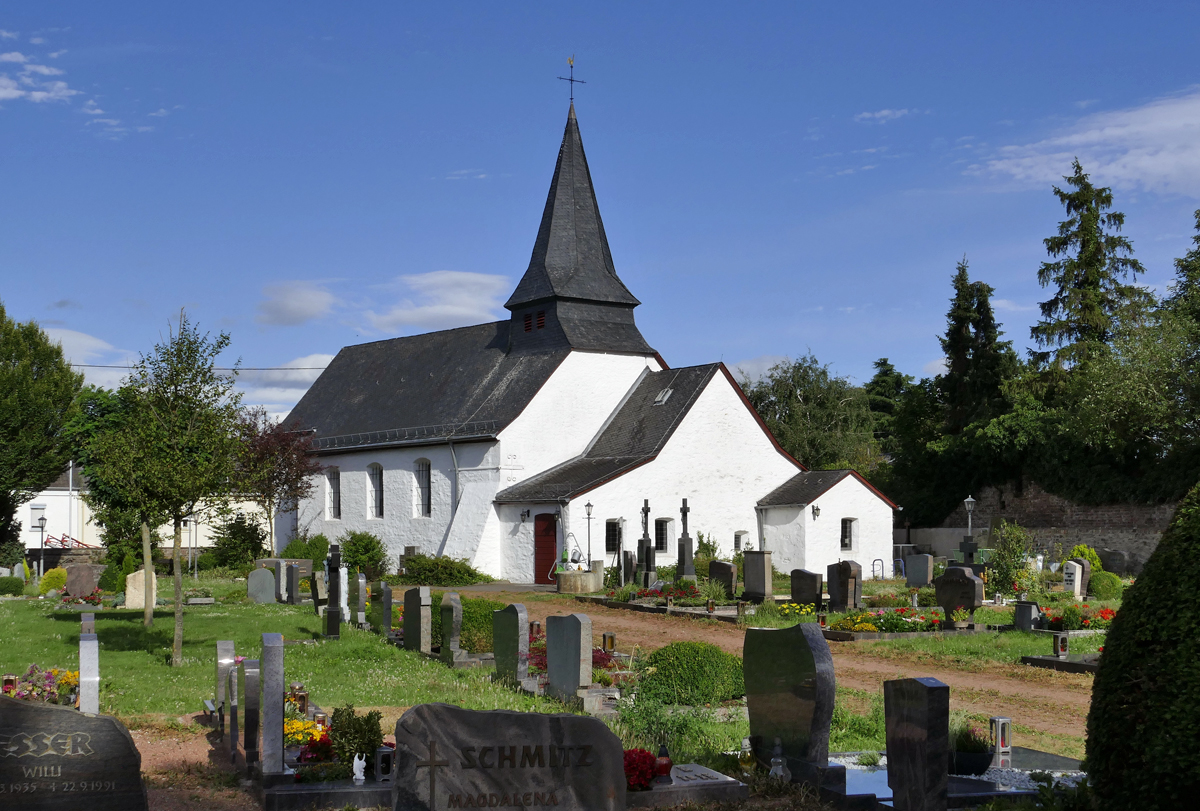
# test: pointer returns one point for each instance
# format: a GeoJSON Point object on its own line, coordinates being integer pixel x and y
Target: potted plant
{"type": "Point", "coordinates": [969, 748]}
{"type": "Point", "coordinates": [959, 619]}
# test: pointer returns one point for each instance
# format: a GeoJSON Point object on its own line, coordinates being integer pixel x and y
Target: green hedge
{"type": "Point", "coordinates": [1143, 728]}
{"type": "Point", "coordinates": [12, 586]}
{"type": "Point", "coordinates": [315, 549]}
{"type": "Point", "coordinates": [1105, 586]}
{"type": "Point", "coordinates": [422, 570]}
{"type": "Point", "coordinates": [691, 673]}
{"type": "Point", "coordinates": [476, 635]}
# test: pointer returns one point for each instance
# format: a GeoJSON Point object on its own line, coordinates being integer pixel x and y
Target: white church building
{"type": "Point", "coordinates": [489, 442]}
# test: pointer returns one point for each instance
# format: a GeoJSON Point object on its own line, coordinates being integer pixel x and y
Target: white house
{"type": "Point", "coordinates": [820, 517]}
{"type": "Point", "coordinates": [488, 442]}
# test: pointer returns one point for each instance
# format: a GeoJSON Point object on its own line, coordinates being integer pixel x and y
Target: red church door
{"type": "Point", "coordinates": [545, 547]}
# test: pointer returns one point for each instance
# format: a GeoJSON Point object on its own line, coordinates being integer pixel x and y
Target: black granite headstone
{"type": "Point", "coordinates": [279, 568]}
{"type": "Point", "coordinates": [451, 758]}
{"type": "Point", "coordinates": [333, 609]}
{"type": "Point", "coordinates": [252, 678]}
{"type": "Point", "coordinates": [958, 588]}
{"type": "Point", "coordinates": [725, 574]}
{"type": "Point", "coordinates": [1115, 561]}
{"type": "Point", "coordinates": [628, 567]}
{"type": "Point", "coordinates": [293, 584]}
{"type": "Point", "coordinates": [54, 757]}
{"type": "Point", "coordinates": [790, 690]}
{"type": "Point", "coordinates": [917, 725]}
{"type": "Point", "coordinates": [806, 588]}
{"type": "Point", "coordinates": [685, 567]}
{"type": "Point", "coordinates": [844, 583]}
{"type": "Point", "coordinates": [451, 649]}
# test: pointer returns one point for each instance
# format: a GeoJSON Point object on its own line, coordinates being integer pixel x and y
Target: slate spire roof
{"type": "Point", "coordinates": [571, 258]}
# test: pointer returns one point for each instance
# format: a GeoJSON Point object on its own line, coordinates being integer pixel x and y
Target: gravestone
{"type": "Point", "coordinates": [89, 673]}
{"type": "Point", "coordinates": [81, 580]}
{"type": "Point", "coordinates": [568, 655]}
{"type": "Point", "coordinates": [1073, 578]}
{"type": "Point", "coordinates": [231, 699]}
{"type": "Point", "coordinates": [449, 758]}
{"type": "Point", "coordinates": [1085, 576]}
{"type": "Point", "coordinates": [418, 619]}
{"type": "Point", "coordinates": [628, 567]}
{"type": "Point", "coordinates": [305, 564]}
{"type": "Point", "coordinates": [757, 576]}
{"type": "Point", "coordinates": [359, 604]}
{"type": "Point", "coordinates": [918, 571]}
{"type": "Point", "coordinates": [451, 649]}
{"type": "Point", "coordinates": [87, 623]}
{"type": "Point", "coordinates": [959, 588]}
{"type": "Point", "coordinates": [725, 574]}
{"type": "Point", "coordinates": [510, 641]}
{"type": "Point", "coordinates": [278, 569]}
{"type": "Point", "coordinates": [1027, 616]}
{"type": "Point", "coordinates": [844, 582]}
{"type": "Point", "coordinates": [59, 758]}
{"type": "Point", "coordinates": [272, 703]}
{"type": "Point", "coordinates": [320, 592]}
{"type": "Point", "coordinates": [333, 606]}
{"type": "Point", "coordinates": [250, 677]}
{"type": "Point", "coordinates": [135, 589]}
{"type": "Point", "coordinates": [1115, 561]}
{"type": "Point", "coordinates": [790, 691]}
{"type": "Point", "coordinates": [917, 722]}
{"type": "Point", "coordinates": [381, 608]}
{"type": "Point", "coordinates": [293, 584]}
{"type": "Point", "coordinates": [344, 581]}
{"type": "Point", "coordinates": [967, 548]}
{"type": "Point", "coordinates": [806, 588]}
{"type": "Point", "coordinates": [685, 567]}
{"type": "Point", "coordinates": [225, 661]}
{"type": "Point", "coordinates": [261, 586]}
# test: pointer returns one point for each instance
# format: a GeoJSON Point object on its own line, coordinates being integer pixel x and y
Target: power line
{"type": "Point", "coordinates": [220, 368]}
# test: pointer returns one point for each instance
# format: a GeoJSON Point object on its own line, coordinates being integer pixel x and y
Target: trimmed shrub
{"type": "Point", "coordinates": [422, 570]}
{"type": "Point", "coordinates": [691, 673]}
{"type": "Point", "coordinates": [1088, 554]}
{"type": "Point", "coordinates": [302, 547]}
{"type": "Point", "coordinates": [927, 597]}
{"type": "Point", "coordinates": [1105, 586]}
{"type": "Point", "coordinates": [12, 586]}
{"type": "Point", "coordinates": [239, 541]}
{"type": "Point", "coordinates": [476, 635]}
{"type": "Point", "coordinates": [353, 734]}
{"type": "Point", "coordinates": [1144, 723]}
{"type": "Point", "coordinates": [56, 578]}
{"type": "Point", "coordinates": [363, 552]}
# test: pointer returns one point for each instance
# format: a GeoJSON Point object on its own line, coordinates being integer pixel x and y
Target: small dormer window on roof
{"type": "Point", "coordinates": [541, 319]}
{"type": "Point", "coordinates": [662, 397]}
{"type": "Point", "coordinates": [529, 322]}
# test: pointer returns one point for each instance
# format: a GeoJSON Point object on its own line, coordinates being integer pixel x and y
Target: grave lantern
{"type": "Point", "coordinates": [609, 642]}
{"type": "Point", "coordinates": [1001, 742]}
{"type": "Point", "coordinates": [302, 702]}
{"type": "Point", "coordinates": [10, 682]}
{"type": "Point", "coordinates": [711, 606]}
{"type": "Point", "coordinates": [1062, 641]}
{"type": "Point", "coordinates": [821, 619]}
{"type": "Point", "coordinates": [321, 720]}
{"type": "Point", "coordinates": [662, 767]}
{"type": "Point", "coordinates": [384, 756]}
{"type": "Point", "coordinates": [535, 628]}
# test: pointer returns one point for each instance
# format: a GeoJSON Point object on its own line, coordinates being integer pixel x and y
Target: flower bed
{"type": "Point", "coordinates": [91, 599]}
{"type": "Point", "coordinates": [1079, 617]}
{"type": "Point", "coordinates": [685, 593]}
{"type": "Point", "coordinates": [899, 621]}
{"type": "Point", "coordinates": [53, 686]}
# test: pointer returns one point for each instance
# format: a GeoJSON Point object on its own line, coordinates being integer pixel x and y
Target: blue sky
{"type": "Point", "coordinates": [774, 178]}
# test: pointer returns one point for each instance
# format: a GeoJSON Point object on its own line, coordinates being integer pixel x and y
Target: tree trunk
{"type": "Point", "coordinates": [177, 650]}
{"type": "Point", "coordinates": [147, 589]}
{"type": "Point", "coordinates": [271, 529]}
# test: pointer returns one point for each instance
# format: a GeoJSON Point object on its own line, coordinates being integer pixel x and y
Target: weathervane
{"type": "Point", "coordinates": [571, 78]}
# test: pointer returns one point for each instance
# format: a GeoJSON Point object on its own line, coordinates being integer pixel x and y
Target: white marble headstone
{"type": "Point", "coordinates": [1072, 578]}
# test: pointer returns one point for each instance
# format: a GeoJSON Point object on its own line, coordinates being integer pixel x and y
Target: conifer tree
{"type": "Point", "coordinates": [1088, 276]}
{"type": "Point", "coordinates": [884, 391]}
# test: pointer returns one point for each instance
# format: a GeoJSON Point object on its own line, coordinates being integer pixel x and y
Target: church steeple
{"type": "Point", "coordinates": [571, 259]}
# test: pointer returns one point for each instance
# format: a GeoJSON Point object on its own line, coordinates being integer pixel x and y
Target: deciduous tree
{"type": "Point", "coordinates": [276, 468]}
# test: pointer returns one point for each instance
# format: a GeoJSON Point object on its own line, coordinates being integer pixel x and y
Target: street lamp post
{"type": "Point", "coordinates": [970, 505]}
{"type": "Point", "coordinates": [37, 514]}
{"type": "Point", "coordinates": [588, 507]}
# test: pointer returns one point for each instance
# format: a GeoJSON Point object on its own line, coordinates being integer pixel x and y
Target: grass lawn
{"type": "Point", "coordinates": [136, 678]}
{"type": "Point", "coordinates": [974, 652]}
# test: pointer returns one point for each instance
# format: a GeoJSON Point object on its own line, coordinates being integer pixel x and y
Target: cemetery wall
{"type": "Point", "coordinates": [723, 455]}
{"type": "Point", "coordinates": [799, 541]}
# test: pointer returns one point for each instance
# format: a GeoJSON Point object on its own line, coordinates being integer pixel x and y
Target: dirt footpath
{"type": "Point", "coordinates": [1050, 703]}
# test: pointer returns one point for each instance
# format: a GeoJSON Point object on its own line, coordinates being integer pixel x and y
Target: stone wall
{"type": "Point", "coordinates": [1052, 520]}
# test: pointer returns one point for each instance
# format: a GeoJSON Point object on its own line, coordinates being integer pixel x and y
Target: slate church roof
{"type": "Point", "coordinates": [470, 383]}
{"type": "Point", "coordinates": [807, 486]}
{"type": "Point", "coordinates": [635, 435]}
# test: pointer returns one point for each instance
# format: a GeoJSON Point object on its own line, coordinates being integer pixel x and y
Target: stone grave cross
{"type": "Point", "coordinates": [686, 566]}
{"type": "Point", "coordinates": [433, 765]}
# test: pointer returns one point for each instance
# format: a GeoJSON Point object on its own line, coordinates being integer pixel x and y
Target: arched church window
{"type": "Point", "coordinates": [424, 491]}
{"type": "Point", "coordinates": [375, 478]}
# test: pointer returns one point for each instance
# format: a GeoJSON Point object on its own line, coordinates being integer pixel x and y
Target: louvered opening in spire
{"type": "Point", "coordinates": [571, 259]}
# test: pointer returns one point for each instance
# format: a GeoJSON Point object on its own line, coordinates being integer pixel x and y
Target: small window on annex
{"type": "Point", "coordinates": [424, 503]}
{"type": "Point", "coordinates": [849, 530]}
{"type": "Point", "coordinates": [375, 479]}
{"type": "Point", "coordinates": [333, 480]}
{"type": "Point", "coordinates": [612, 536]}
{"type": "Point", "coordinates": [662, 532]}
{"type": "Point", "coordinates": [739, 540]}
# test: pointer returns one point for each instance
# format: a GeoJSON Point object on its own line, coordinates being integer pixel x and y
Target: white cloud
{"type": "Point", "coordinates": [42, 70]}
{"type": "Point", "coordinates": [8, 34]}
{"type": "Point", "coordinates": [162, 111]}
{"type": "Point", "coordinates": [14, 56]}
{"type": "Point", "coordinates": [56, 54]}
{"type": "Point", "coordinates": [443, 299]}
{"type": "Point", "coordinates": [38, 40]}
{"type": "Point", "coordinates": [91, 108]}
{"type": "Point", "coordinates": [109, 122]}
{"type": "Point", "coordinates": [755, 368]}
{"type": "Point", "coordinates": [52, 91]}
{"type": "Point", "coordinates": [1153, 147]}
{"type": "Point", "coordinates": [467, 174]}
{"type": "Point", "coordinates": [1012, 306]}
{"type": "Point", "coordinates": [79, 347]}
{"type": "Point", "coordinates": [9, 88]}
{"type": "Point", "coordinates": [935, 367]}
{"type": "Point", "coordinates": [882, 116]}
{"type": "Point", "coordinates": [301, 374]}
{"type": "Point", "coordinates": [293, 303]}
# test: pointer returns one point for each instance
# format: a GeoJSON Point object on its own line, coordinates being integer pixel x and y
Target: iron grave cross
{"type": "Point", "coordinates": [571, 78]}
{"type": "Point", "coordinates": [433, 765]}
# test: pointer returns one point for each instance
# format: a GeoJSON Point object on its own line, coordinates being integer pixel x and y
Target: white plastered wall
{"type": "Point", "coordinates": [719, 459]}
{"type": "Point", "coordinates": [799, 541]}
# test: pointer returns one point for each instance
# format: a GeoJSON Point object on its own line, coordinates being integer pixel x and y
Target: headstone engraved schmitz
{"type": "Point", "coordinates": [451, 758]}
{"type": "Point", "coordinates": [790, 690]}
{"type": "Point", "coordinates": [55, 757]}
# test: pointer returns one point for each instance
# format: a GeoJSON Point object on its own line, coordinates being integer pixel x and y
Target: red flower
{"type": "Point", "coordinates": [639, 769]}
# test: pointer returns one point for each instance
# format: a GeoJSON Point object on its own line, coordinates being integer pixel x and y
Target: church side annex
{"type": "Point", "coordinates": [485, 442]}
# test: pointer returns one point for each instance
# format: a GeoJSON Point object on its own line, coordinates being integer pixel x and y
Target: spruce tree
{"type": "Point", "coordinates": [1091, 263]}
{"type": "Point", "coordinates": [884, 391]}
